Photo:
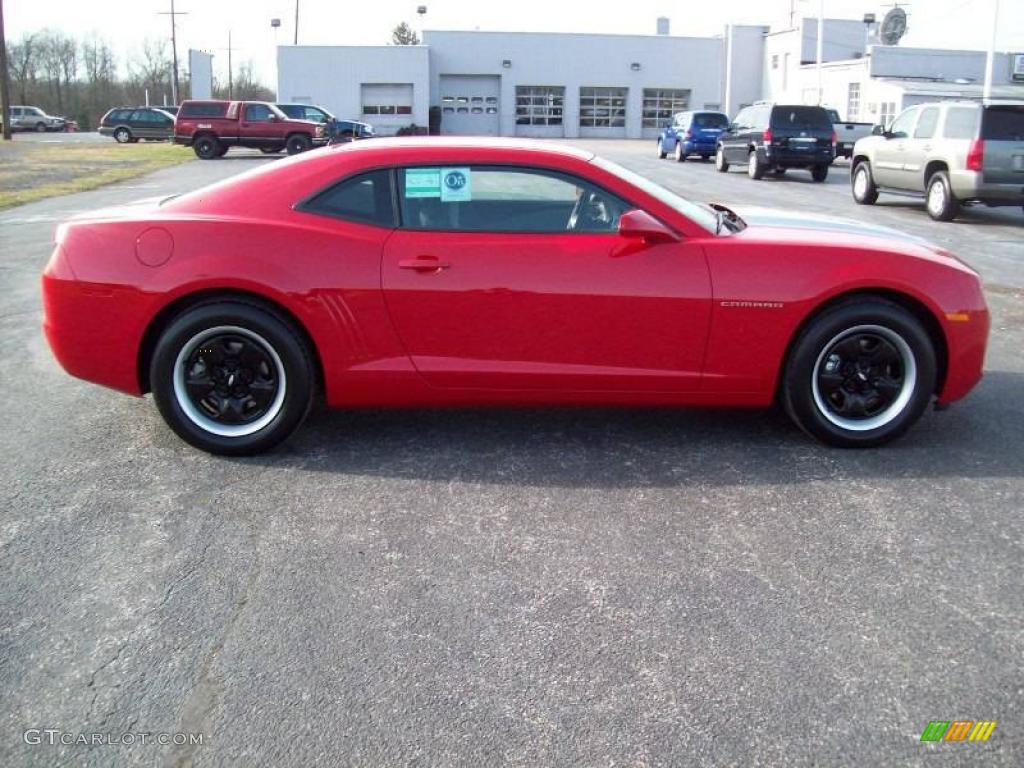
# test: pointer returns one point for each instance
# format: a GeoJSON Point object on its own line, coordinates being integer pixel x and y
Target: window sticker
{"type": "Point", "coordinates": [456, 185]}
{"type": "Point", "coordinates": [423, 182]}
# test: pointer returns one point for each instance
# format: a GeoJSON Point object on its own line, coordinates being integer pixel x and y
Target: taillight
{"type": "Point", "coordinates": [976, 155]}
{"type": "Point", "coordinates": [768, 136]}
{"type": "Point", "coordinates": [835, 138]}
{"type": "Point", "coordinates": [689, 133]}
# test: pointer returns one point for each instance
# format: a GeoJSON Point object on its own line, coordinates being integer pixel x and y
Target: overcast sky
{"type": "Point", "coordinates": [125, 23]}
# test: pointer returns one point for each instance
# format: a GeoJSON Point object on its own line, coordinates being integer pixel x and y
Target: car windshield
{"type": "Point", "coordinates": [698, 214]}
{"type": "Point", "coordinates": [801, 117]}
{"type": "Point", "coordinates": [710, 120]}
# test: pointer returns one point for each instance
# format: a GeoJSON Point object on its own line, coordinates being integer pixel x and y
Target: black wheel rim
{"type": "Point", "coordinates": [229, 381]}
{"type": "Point", "coordinates": [864, 378]}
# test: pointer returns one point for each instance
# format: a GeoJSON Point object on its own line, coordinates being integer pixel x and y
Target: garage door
{"type": "Point", "coordinates": [469, 105]}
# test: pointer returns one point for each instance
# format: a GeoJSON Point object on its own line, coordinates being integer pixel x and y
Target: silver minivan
{"type": "Point", "coordinates": [953, 153]}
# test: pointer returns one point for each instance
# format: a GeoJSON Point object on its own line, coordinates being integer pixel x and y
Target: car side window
{"type": "Point", "coordinates": [961, 123]}
{"type": "Point", "coordinates": [365, 198]}
{"type": "Point", "coordinates": [900, 128]}
{"type": "Point", "coordinates": [926, 123]}
{"type": "Point", "coordinates": [504, 199]}
{"type": "Point", "coordinates": [256, 113]}
{"type": "Point", "coordinates": [741, 120]}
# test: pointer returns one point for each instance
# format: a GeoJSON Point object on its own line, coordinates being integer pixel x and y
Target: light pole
{"type": "Point", "coordinates": [174, 48]}
{"type": "Point", "coordinates": [821, 46]}
{"type": "Point", "coordinates": [991, 55]}
{"type": "Point", "coordinates": [5, 93]}
{"type": "Point", "coordinates": [296, 41]}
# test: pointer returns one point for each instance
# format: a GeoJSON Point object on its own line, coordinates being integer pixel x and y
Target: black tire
{"type": "Point", "coordinates": [940, 201]}
{"type": "Point", "coordinates": [40, 127]}
{"type": "Point", "coordinates": [259, 335]}
{"type": "Point", "coordinates": [862, 184]}
{"type": "Point", "coordinates": [755, 168]}
{"type": "Point", "coordinates": [680, 153]}
{"type": "Point", "coordinates": [122, 135]}
{"type": "Point", "coordinates": [721, 164]}
{"type": "Point", "coordinates": [298, 142]}
{"type": "Point", "coordinates": [206, 147]}
{"type": "Point", "coordinates": [662, 154]}
{"type": "Point", "coordinates": [819, 361]}
{"type": "Point", "coordinates": [819, 173]}
{"type": "Point", "coordinates": [223, 150]}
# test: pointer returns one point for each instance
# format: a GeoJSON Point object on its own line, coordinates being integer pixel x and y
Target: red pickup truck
{"type": "Point", "coordinates": [211, 128]}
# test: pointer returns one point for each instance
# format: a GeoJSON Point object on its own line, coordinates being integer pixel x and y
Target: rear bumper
{"type": "Point", "coordinates": [970, 185]}
{"type": "Point", "coordinates": [788, 158]}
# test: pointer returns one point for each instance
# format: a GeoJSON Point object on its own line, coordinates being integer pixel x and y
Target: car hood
{"type": "Point", "coordinates": [779, 219]}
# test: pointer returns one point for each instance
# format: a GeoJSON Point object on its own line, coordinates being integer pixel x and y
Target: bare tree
{"type": "Point", "coordinates": [151, 68]}
{"type": "Point", "coordinates": [23, 60]}
{"type": "Point", "coordinates": [245, 87]}
{"type": "Point", "coordinates": [403, 34]}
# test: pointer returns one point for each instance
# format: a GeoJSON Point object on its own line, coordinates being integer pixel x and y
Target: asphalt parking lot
{"type": "Point", "coordinates": [483, 588]}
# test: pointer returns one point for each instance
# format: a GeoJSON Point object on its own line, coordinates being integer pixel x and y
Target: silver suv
{"type": "Point", "coordinates": [954, 153]}
{"type": "Point", "coordinates": [34, 119]}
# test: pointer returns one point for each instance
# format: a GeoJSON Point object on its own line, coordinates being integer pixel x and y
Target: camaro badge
{"type": "Point", "coordinates": [753, 304]}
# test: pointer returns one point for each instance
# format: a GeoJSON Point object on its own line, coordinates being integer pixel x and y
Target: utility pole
{"type": "Point", "coordinates": [296, 22]}
{"type": "Point", "coordinates": [174, 47]}
{"type": "Point", "coordinates": [5, 91]}
{"type": "Point", "coordinates": [821, 47]}
{"type": "Point", "coordinates": [990, 57]}
{"type": "Point", "coordinates": [231, 88]}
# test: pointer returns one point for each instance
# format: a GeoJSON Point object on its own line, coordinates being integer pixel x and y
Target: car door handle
{"type": "Point", "coordinates": [424, 264]}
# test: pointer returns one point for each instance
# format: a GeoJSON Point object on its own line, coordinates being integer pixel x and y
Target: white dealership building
{"type": "Point", "coordinates": [626, 86]}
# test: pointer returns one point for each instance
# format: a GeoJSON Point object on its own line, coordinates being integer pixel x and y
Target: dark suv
{"type": "Point", "coordinates": [774, 137]}
{"type": "Point", "coordinates": [129, 124]}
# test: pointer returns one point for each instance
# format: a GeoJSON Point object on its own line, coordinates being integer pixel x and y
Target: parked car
{"type": "Point", "coordinates": [34, 119]}
{"type": "Point", "coordinates": [129, 124]}
{"type": "Point", "coordinates": [953, 153]}
{"type": "Point", "coordinates": [211, 128]}
{"type": "Point", "coordinates": [692, 133]}
{"type": "Point", "coordinates": [467, 271]}
{"type": "Point", "coordinates": [337, 130]}
{"type": "Point", "coordinates": [70, 125]}
{"type": "Point", "coordinates": [776, 137]}
{"type": "Point", "coordinates": [847, 133]}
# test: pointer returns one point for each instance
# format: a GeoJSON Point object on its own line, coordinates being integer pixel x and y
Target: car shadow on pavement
{"type": "Point", "coordinates": [634, 447]}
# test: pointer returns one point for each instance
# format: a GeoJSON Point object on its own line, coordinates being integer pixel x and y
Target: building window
{"type": "Point", "coordinates": [603, 107]}
{"type": "Point", "coordinates": [775, 61]}
{"type": "Point", "coordinates": [661, 103]}
{"type": "Point", "coordinates": [886, 112]}
{"type": "Point", "coordinates": [387, 99]}
{"type": "Point", "coordinates": [539, 104]}
{"type": "Point", "coordinates": [853, 102]}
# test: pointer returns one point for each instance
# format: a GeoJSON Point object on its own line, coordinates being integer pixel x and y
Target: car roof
{"type": "Point", "coordinates": [390, 144]}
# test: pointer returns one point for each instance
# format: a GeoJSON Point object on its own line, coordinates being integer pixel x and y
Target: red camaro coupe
{"type": "Point", "coordinates": [459, 271]}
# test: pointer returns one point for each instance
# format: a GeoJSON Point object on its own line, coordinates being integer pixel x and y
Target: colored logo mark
{"type": "Point", "coordinates": [958, 730]}
{"type": "Point", "coordinates": [455, 180]}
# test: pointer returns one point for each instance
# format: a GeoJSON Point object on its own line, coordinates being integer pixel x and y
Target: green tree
{"type": "Point", "coordinates": [403, 34]}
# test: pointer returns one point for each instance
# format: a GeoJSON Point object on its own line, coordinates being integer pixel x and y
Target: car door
{"type": "Point", "coordinates": [516, 278]}
{"type": "Point", "coordinates": [254, 128]}
{"type": "Point", "coordinates": [140, 124]}
{"type": "Point", "coordinates": [887, 167]}
{"type": "Point", "coordinates": [917, 149]}
{"type": "Point", "coordinates": [735, 141]}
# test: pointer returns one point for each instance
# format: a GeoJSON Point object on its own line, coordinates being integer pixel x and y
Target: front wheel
{"type": "Point", "coordinates": [206, 148]}
{"type": "Point", "coordinates": [721, 164]}
{"type": "Point", "coordinates": [297, 143]}
{"type": "Point", "coordinates": [819, 173]}
{"type": "Point", "coordinates": [860, 374]}
{"type": "Point", "coordinates": [232, 378]}
{"type": "Point", "coordinates": [122, 135]}
{"type": "Point", "coordinates": [942, 205]}
{"type": "Point", "coordinates": [863, 185]}
{"type": "Point", "coordinates": [662, 154]}
{"type": "Point", "coordinates": [40, 127]}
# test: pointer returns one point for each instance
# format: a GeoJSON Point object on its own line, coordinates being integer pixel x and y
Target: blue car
{"type": "Point", "coordinates": [692, 133]}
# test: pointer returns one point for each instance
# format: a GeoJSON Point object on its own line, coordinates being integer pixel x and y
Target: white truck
{"type": "Point", "coordinates": [847, 133]}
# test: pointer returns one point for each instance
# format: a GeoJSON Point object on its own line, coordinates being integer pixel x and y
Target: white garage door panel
{"type": "Point", "coordinates": [470, 105]}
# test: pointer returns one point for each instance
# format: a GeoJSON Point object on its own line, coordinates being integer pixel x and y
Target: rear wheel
{"type": "Point", "coordinates": [206, 147]}
{"type": "Point", "coordinates": [232, 378]}
{"type": "Point", "coordinates": [662, 154]}
{"type": "Point", "coordinates": [755, 168]}
{"type": "Point", "coordinates": [942, 205]}
{"type": "Point", "coordinates": [680, 153]}
{"type": "Point", "coordinates": [297, 143]}
{"type": "Point", "coordinates": [860, 374]}
{"type": "Point", "coordinates": [721, 164]}
{"type": "Point", "coordinates": [819, 172]}
{"type": "Point", "coordinates": [863, 185]}
{"type": "Point", "coordinates": [122, 135]}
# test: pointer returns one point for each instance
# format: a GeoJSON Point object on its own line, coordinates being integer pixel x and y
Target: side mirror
{"type": "Point", "coordinates": [640, 225]}
{"type": "Point", "coordinates": [878, 130]}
